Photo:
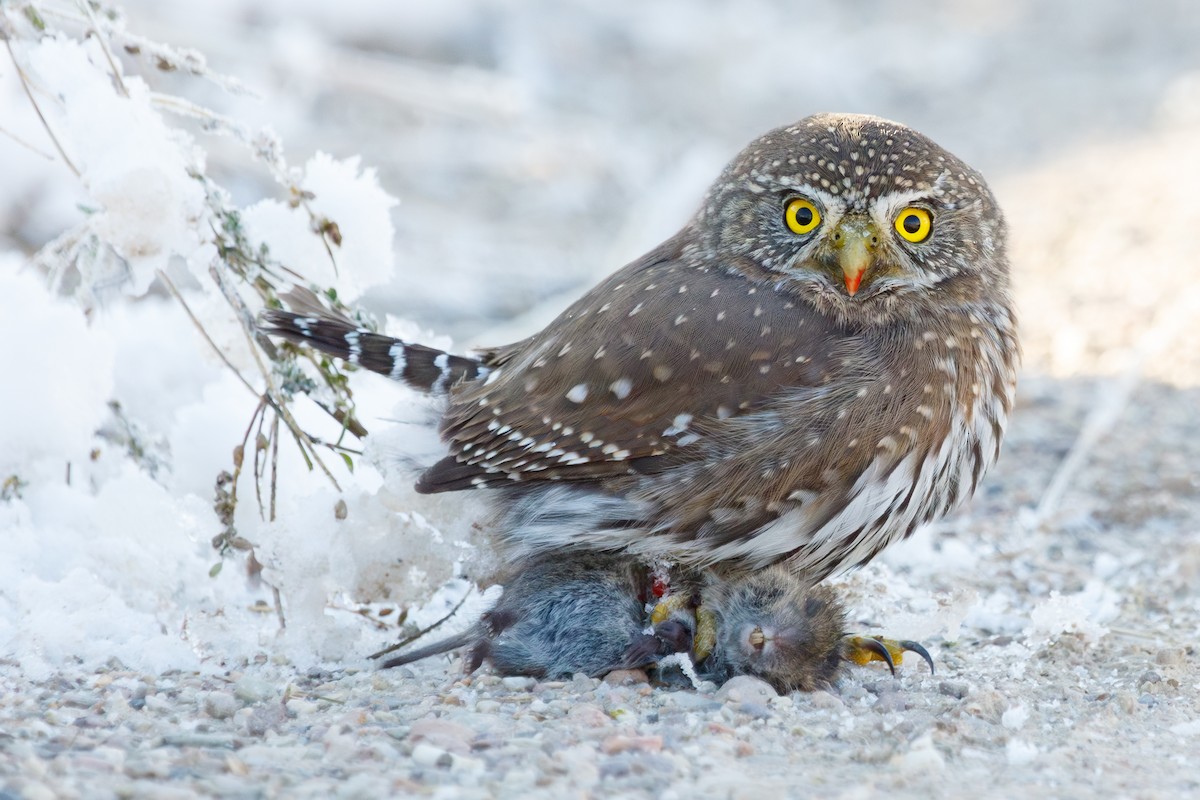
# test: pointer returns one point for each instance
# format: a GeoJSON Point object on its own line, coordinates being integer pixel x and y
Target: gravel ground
{"type": "Point", "coordinates": [1061, 606]}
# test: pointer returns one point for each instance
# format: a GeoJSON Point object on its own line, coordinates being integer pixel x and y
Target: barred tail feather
{"type": "Point", "coordinates": [425, 368]}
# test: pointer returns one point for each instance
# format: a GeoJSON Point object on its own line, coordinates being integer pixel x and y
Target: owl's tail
{"type": "Point", "coordinates": [426, 369]}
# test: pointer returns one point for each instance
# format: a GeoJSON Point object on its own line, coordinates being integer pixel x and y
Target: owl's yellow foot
{"type": "Point", "coordinates": [865, 649]}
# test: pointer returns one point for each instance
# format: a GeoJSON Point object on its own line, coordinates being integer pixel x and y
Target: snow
{"type": "Point", "coordinates": [135, 168]}
{"type": "Point", "coordinates": [118, 416]}
{"type": "Point", "coordinates": [352, 198]}
{"type": "Point", "coordinates": [58, 376]}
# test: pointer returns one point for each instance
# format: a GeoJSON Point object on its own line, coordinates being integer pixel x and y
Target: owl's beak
{"type": "Point", "coordinates": [855, 240]}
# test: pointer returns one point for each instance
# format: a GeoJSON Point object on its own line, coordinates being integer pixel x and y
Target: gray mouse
{"type": "Point", "coordinates": [562, 615]}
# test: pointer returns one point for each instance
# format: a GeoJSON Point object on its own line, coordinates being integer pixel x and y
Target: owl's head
{"type": "Point", "coordinates": [856, 213]}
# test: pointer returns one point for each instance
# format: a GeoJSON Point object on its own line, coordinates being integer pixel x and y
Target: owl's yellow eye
{"type": "Point", "coordinates": [913, 224]}
{"type": "Point", "coordinates": [802, 216]}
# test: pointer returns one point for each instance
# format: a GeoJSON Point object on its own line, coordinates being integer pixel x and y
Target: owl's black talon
{"type": "Point", "coordinates": [919, 649]}
{"type": "Point", "coordinates": [864, 649]}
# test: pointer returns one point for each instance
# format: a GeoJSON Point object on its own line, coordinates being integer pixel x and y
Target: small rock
{"type": "Point", "coordinates": [619, 744]}
{"type": "Point", "coordinates": [581, 683]}
{"type": "Point", "coordinates": [460, 763]}
{"type": "Point", "coordinates": [823, 699]}
{"type": "Point", "coordinates": [428, 755]}
{"type": "Point", "coordinates": [220, 705]}
{"type": "Point", "coordinates": [517, 683]}
{"type": "Point", "coordinates": [1149, 676]}
{"type": "Point", "coordinates": [956, 689]}
{"type": "Point", "coordinates": [265, 718]}
{"type": "Point", "coordinates": [890, 701]}
{"type": "Point", "coordinates": [253, 690]}
{"type": "Point", "coordinates": [300, 706]}
{"type": "Point", "coordinates": [626, 677]}
{"type": "Point", "coordinates": [79, 699]}
{"type": "Point", "coordinates": [1170, 657]}
{"type": "Point", "coordinates": [746, 689]}
{"type": "Point", "coordinates": [755, 710]}
{"type": "Point", "coordinates": [589, 715]}
{"type": "Point", "coordinates": [689, 701]}
{"type": "Point", "coordinates": [487, 706]}
{"type": "Point", "coordinates": [743, 749]}
{"type": "Point", "coordinates": [220, 740]}
{"type": "Point", "coordinates": [987, 705]}
{"type": "Point", "coordinates": [447, 735]}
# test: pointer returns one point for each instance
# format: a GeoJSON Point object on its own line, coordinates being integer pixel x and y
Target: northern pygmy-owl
{"type": "Point", "coordinates": [820, 361]}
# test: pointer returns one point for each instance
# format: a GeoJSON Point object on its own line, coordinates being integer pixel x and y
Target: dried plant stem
{"type": "Point", "coordinates": [30, 147]}
{"type": "Point", "coordinates": [274, 462]}
{"type": "Point", "coordinates": [250, 331]}
{"type": "Point", "coordinates": [102, 38]}
{"type": "Point", "coordinates": [162, 276]}
{"type": "Point", "coordinates": [410, 639]}
{"type": "Point", "coordinates": [38, 110]}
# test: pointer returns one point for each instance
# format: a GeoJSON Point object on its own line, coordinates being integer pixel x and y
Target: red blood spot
{"type": "Point", "coordinates": [660, 587]}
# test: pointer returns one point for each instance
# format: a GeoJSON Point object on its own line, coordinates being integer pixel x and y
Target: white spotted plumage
{"type": "Point", "coordinates": [727, 399]}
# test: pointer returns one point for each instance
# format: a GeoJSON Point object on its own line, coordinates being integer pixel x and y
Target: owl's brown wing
{"type": "Point", "coordinates": [624, 379]}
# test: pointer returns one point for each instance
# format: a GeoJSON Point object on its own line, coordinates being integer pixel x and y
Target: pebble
{"type": "Point", "coordinates": [626, 677]}
{"type": "Point", "coordinates": [746, 689]}
{"type": "Point", "coordinates": [690, 701]}
{"type": "Point", "coordinates": [222, 740]}
{"type": "Point", "coordinates": [891, 701]}
{"type": "Point", "coordinates": [755, 710]}
{"type": "Point", "coordinates": [252, 689]}
{"type": "Point", "coordinates": [487, 706]}
{"type": "Point", "coordinates": [589, 715]}
{"type": "Point", "coordinates": [956, 689]}
{"type": "Point", "coordinates": [619, 743]}
{"type": "Point", "coordinates": [429, 755]}
{"type": "Point", "coordinates": [450, 736]}
{"type": "Point", "coordinates": [825, 700]}
{"type": "Point", "coordinates": [220, 705]}
{"type": "Point", "coordinates": [517, 683]}
{"type": "Point", "coordinates": [1170, 657]}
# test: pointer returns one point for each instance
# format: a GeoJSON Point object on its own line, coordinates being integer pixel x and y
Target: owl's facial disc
{"type": "Point", "coordinates": [855, 240]}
